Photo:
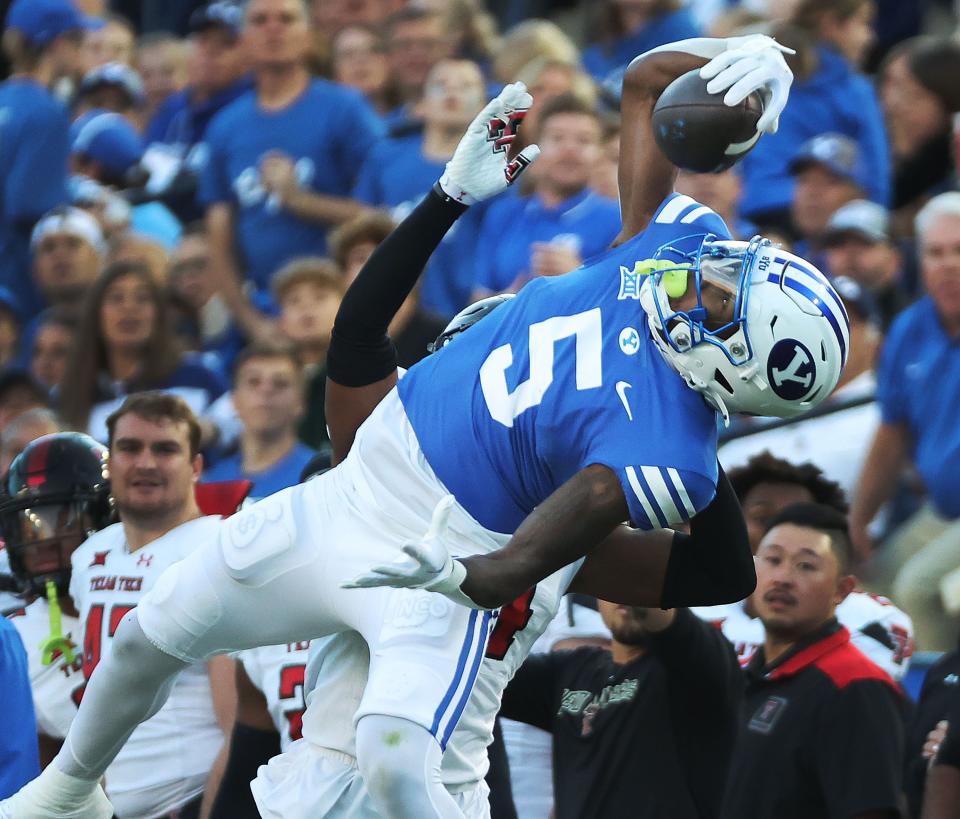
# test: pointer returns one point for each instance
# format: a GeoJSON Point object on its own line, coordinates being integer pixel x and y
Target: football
{"type": "Point", "coordinates": [697, 132]}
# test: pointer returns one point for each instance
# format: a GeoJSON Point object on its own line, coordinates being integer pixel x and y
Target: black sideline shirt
{"type": "Point", "coordinates": [647, 740]}
{"type": "Point", "coordinates": [821, 735]}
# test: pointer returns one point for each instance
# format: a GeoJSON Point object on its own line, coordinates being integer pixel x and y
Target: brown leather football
{"type": "Point", "coordinates": [697, 132]}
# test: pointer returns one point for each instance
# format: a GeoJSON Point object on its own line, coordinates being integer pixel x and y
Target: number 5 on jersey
{"type": "Point", "coordinates": [505, 405]}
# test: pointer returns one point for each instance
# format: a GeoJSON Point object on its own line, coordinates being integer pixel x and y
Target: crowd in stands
{"type": "Point", "coordinates": [188, 189]}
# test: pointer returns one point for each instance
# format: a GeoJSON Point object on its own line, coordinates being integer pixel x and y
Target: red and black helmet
{"type": "Point", "coordinates": [55, 495]}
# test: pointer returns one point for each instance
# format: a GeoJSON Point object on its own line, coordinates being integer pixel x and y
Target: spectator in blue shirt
{"type": "Point", "coordinates": [125, 344]}
{"type": "Point", "coordinates": [282, 161]}
{"type": "Point", "coordinates": [42, 42]}
{"type": "Point", "coordinates": [417, 39]}
{"type": "Point", "coordinates": [627, 28]}
{"type": "Point", "coordinates": [190, 278]}
{"type": "Point", "coordinates": [563, 222]}
{"type": "Point", "coordinates": [19, 755]}
{"type": "Point", "coordinates": [829, 94]}
{"type": "Point", "coordinates": [400, 171]}
{"type": "Point", "coordinates": [359, 60]}
{"type": "Point", "coordinates": [918, 389]}
{"type": "Point", "coordinates": [174, 134]}
{"type": "Point", "coordinates": [268, 397]}
{"type": "Point", "coordinates": [107, 149]}
{"type": "Point", "coordinates": [828, 173]}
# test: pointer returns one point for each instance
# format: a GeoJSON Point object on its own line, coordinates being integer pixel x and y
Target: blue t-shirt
{"type": "Point", "coordinates": [34, 144]}
{"type": "Point", "coordinates": [284, 473]}
{"type": "Point", "coordinates": [396, 176]}
{"type": "Point", "coordinates": [180, 121]}
{"type": "Point", "coordinates": [918, 386]}
{"type": "Point", "coordinates": [564, 376]}
{"type": "Point", "coordinates": [327, 131]}
{"type": "Point", "coordinates": [587, 222]}
{"type": "Point", "coordinates": [607, 62]}
{"type": "Point", "coordinates": [837, 98]}
{"type": "Point", "coordinates": [19, 756]}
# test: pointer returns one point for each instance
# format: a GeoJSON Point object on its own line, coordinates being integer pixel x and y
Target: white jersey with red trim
{"type": "Point", "coordinates": [877, 627]}
{"type": "Point", "coordinates": [278, 672]}
{"type": "Point", "coordinates": [165, 762]}
{"type": "Point", "coordinates": [56, 687]}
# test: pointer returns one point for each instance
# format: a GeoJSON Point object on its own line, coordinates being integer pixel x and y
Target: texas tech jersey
{"type": "Point", "coordinates": [564, 376]}
{"type": "Point", "coordinates": [278, 672]}
{"type": "Point", "coordinates": [56, 687]}
{"type": "Point", "coordinates": [166, 760]}
{"type": "Point", "coordinates": [877, 627]}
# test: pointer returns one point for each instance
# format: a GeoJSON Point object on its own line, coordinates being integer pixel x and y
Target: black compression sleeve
{"type": "Point", "coordinates": [714, 563]}
{"type": "Point", "coordinates": [360, 351]}
{"type": "Point", "coordinates": [249, 749]}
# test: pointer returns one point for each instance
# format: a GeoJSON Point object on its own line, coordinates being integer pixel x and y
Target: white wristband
{"type": "Point", "coordinates": [449, 586]}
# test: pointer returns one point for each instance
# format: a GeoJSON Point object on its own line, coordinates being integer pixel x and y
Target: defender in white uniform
{"type": "Point", "coordinates": [57, 686]}
{"type": "Point", "coordinates": [55, 495]}
{"type": "Point", "coordinates": [278, 673]}
{"type": "Point", "coordinates": [167, 759]}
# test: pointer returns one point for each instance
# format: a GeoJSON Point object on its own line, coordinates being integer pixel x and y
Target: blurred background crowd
{"type": "Point", "coordinates": [187, 189]}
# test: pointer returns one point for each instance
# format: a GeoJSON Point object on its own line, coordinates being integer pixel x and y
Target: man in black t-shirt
{"type": "Point", "coordinates": [643, 730]}
{"type": "Point", "coordinates": [821, 731]}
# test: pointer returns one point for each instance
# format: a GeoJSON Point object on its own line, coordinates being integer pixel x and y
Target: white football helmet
{"type": "Point", "coordinates": [785, 347]}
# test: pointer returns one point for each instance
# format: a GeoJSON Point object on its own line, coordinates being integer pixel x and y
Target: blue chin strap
{"type": "Point", "coordinates": [672, 262]}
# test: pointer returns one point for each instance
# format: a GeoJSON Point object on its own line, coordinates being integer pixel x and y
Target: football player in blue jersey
{"type": "Point", "coordinates": [575, 406]}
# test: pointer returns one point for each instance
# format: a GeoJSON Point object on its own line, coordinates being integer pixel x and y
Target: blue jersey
{"type": "Point", "coordinates": [564, 376]}
{"type": "Point", "coordinates": [397, 176]}
{"type": "Point", "coordinates": [284, 473]}
{"type": "Point", "coordinates": [19, 757]}
{"type": "Point", "coordinates": [326, 131]}
{"type": "Point", "coordinates": [586, 222]}
{"type": "Point", "coordinates": [34, 141]}
{"type": "Point", "coordinates": [917, 381]}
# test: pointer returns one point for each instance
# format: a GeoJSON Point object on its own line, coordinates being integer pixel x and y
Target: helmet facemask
{"type": "Point", "coordinates": [713, 312]}
{"type": "Point", "coordinates": [40, 536]}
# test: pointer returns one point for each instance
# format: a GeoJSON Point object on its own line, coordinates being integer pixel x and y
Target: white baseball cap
{"type": "Point", "coordinates": [73, 221]}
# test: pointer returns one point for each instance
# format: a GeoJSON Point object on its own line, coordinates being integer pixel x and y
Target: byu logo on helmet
{"type": "Point", "coordinates": [791, 369]}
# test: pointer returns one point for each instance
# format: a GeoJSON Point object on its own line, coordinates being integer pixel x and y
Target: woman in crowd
{"type": "Point", "coordinates": [360, 60]}
{"type": "Point", "coordinates": [125, 344]}
{"type": "Point", "coordinates": [919, 91]}
{"type": "Point", "coordinates": [829, 95]}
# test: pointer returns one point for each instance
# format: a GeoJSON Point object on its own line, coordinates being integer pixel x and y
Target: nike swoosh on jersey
{"type": "Point", "coordinates": [622, 387]}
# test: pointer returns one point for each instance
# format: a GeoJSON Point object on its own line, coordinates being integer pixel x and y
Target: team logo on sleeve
{"type": "Point", "coordinates": [791, 370]}
{"type": "Point", "coordinates": [629, 341]}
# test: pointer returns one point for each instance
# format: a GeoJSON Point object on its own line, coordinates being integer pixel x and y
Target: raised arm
{"type": "Point", "coordinates": [736, 65]}
{"type": "Point", "coordinates": [362, 361]}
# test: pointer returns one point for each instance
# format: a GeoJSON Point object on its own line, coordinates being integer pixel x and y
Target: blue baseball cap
{"type": "Point", "coordinates": [837, 153]}
{"type": "Point", "coordinates": [42, 21]}
{"type": "Point", "coordinates": [116, 74]}
{"type": "Point", "coordinates": [220, 14]}
{"type": "Point", "coordinates": [110, 140]}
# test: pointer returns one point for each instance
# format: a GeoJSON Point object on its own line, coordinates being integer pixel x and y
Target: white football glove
{"type": "Point", "coordinates": [56, 795]}
{"type": "Point", "coordinates": [752, 63]}
{"type": "Point", "coordinates": [428, 564]}
{"type": "Point", "coordinates": [479, 168]}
